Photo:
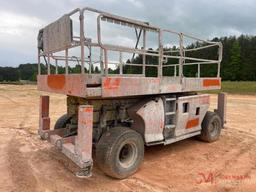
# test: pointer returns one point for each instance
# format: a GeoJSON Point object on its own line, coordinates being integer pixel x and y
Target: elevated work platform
{"type": "Point", "coordinates": [85, 85]}
{"type": "Point", "coordinates": [60, 42]}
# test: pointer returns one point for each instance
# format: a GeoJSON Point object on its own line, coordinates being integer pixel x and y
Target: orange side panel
{"type": "Point", "coordinates": [56, 81]}
{"type": "Point", "coordinates": [192, 123]}
{"type": "Point", "coordinates": [211, 82]}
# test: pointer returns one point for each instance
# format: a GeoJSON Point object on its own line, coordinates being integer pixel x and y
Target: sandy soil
{"type": "Point", "coordinates": [29, 164]}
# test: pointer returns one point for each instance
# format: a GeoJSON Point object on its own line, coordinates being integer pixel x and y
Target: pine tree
{"type": "Point", "coordinates": [235, 61]}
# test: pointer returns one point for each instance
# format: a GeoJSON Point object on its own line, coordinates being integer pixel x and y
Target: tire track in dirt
{"type": "Point", "coordinates": [136, 184]}
{"type": "Point", "coordinates": [11, 100]}
{"type": "Point", "coordinates": [21, 173]}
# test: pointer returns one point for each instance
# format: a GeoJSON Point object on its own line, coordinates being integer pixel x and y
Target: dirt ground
{"type": "Point", "coordinates": [30, 164]}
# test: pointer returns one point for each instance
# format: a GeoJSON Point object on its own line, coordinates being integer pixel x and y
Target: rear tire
{"type": "Point", "coordinates": [211, 127]}
{"type": "Point", "coordinates": [62, 122]}
{"type": "Point", "coordinates": [120, 152]}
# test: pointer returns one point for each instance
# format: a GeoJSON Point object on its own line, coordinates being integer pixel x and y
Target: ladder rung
{"type": "Point", "coordinates": [170, 113]}
{"type": "Point", "coordinates": [170, 126]}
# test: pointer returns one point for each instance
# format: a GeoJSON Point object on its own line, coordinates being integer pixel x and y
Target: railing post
{"type": "Point", "coordinates": [181, 60]}
{"type": "Point", "coordinates": [39, 63]}
{"type": "Point", "coordinates": [198, 70]}
{"type": "Point", "coordinates": [144, 56]}
{"type": "Point", "coordinates": [106, 61]}
{"type": "Point", "coordinates": [220, 58]}
{"type": "Point", "coordinates": [120, 63]}
{"type": "Point", "coordinates": [56, 66]}
{"type": "Point", "coordinates": [66, 61]}
{"type": "Point", "coordinates": [160, 53]}
{"type": "Point", "coordinates": [48, 65]}
{"type": "Point", "coordinates": [101, 61]}
{"type": "Point", "coordinates": [81, 18]}
{"type": "Point", "coordinates": [90, 59]}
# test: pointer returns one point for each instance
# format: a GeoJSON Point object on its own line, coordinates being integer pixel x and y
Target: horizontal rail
{"type": "Point", "coordinates": [81, 41]}
{"type": "Point", "coordinates": [198, 63]}
{"type": "Point", "coordinates": [197, 39]}
{"type": "Point", "coordinates": [133, 64]}
{"type": "Point", "coordinates": [192, 49]}
{"type": "Point", "coordinates": [190, 58]}
{"type": "Point", "coordinates": [200, 48]}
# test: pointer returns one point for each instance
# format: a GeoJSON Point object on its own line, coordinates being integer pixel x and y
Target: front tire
{"type": "Point", "coordinates": [211, 127]}
{"type": "Point", "coordinates": [62, 122]}
{"type": "Point", "coordinates": [120, 152]}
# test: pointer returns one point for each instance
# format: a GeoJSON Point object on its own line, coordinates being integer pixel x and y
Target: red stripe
{"type": "Point", "coordinates": [211, 82]}
{"type": "Point", "coordinates": [192, 123]}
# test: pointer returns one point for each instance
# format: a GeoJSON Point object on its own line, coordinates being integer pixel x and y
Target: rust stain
{"type": "Point", "coordinates": [86, 122]}
{"type": "Point", "coordinates": [111, 83]}
{"type": "Point", "coordinates": [56, 81]}
{"type": "Point", "coordinates": [45, 123]}
{"type": "Point", "coordinates": [192, 123]}
{"type": "Point", "coordinates": [162, 125]}
{"type": "Point", "coordinates": [88, 109]}
{"type": "Point", "coordinates": [44, 110]}
{"type": "Point", "coordinates": [211, 82]}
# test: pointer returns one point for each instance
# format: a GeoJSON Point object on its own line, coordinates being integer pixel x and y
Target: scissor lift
{"type": "Point", "coordinates": [118, 114]}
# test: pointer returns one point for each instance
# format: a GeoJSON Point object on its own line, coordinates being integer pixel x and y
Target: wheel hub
{"type": "Point", "coordinates": [127, 155]}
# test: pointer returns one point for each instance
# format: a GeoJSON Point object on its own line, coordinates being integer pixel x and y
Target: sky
{"type": "Point", "coordinates": [20, 20]}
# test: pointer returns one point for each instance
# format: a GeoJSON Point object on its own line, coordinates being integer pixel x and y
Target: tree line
{"type": "Point", "coordinates": [238, 63]}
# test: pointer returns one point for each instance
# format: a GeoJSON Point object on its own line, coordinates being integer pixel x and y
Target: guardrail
{"type": "Point", "coordinates": [163, 55]}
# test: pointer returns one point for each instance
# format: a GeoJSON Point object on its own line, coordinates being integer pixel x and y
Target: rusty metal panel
{"type": "Point", "coordinates": [93, 92]}
{"type": "Point", "coordinates": [83, 142]}
{"type": "Point", "coordinates": [188, 121]}
{"type": "Point", "coordinates": [44, 120]}
{"type": "Point", "coordinates": [93, 79]}
{"type": "Point", "coordinates": [121, 86]}
{"type": "Point", "coordinates": [57, 35]}
{"type": "Point", "coordinates": [78, 148]}
{"type": "Point", "coordinates": [191, 84]}
{"type": "Point", "coordinates": [198, 84]}
{"type": "Point", "coordinates": [74, 84]}
{"type": "Point", "coordinates": [128, 86]}
{"type": "Point", "coordinates": [148, 119]}
{"type": "Point", "coordinates": [170, 85]}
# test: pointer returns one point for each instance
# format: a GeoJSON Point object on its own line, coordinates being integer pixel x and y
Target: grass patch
{"type": "Point", "coordinates": [21, 82]}
{"type": "Point", "coordinates": [237, 87]}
